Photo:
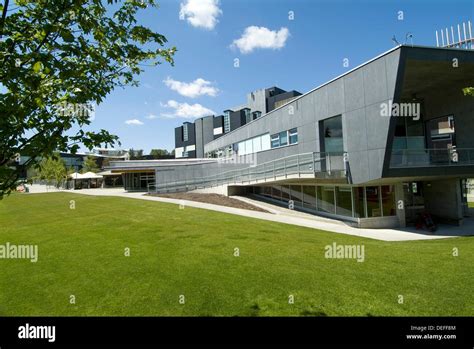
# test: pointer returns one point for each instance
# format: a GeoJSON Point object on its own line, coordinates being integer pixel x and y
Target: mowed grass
{"type": "Point", "coordinates": [190, 252]}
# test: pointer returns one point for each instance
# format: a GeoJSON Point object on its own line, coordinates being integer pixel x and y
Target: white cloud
{"type": "Point", "coordinates": [151, 116]}
{"type": "Point", "coordinates": [185, 110]}
{"type": "Point", "coordinates": [261, 37]}
{"type": "Point", "coordinates": [200, 13]}
{"type": "Point", "coordinates": [196, 88]}
{"type": "Point", "coordinates": [134, 122]}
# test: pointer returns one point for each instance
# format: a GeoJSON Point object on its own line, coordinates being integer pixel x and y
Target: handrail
{"type": "Point", "coordinates": [300, 164]}
{"type": "Point", "coordinates": [429, 157]}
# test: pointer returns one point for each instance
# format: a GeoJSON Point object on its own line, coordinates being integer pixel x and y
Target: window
{"type": "Point", "coordinates": [275, 141]}
{"type": "Point", "coordinates": [283, 138]}
{"type": "Point", "coordinates": [388, 200]}
{"type": "Point", "coordinates": [285, 193]}
{"type": "Point", "coordinates": [332, 135]}
{"type": "Point", "coordinates": [293, 135]}
{"type": "Point", "coordinates": [266, 143]}
{"type": "Point", "coordinates": [344, 201]}
{"type": "Point", "coordinates": [326, 199]}
{"type": "Point", "coordinates": [359, 205]}
{"type": "Point", "coordinates": [373, 202]}
{"type": "Point", "coordinates": [248, 147]}
{"type": "Point", "coordinates": [296, 194]}
{"type": "Point", "coordinates": [185, 133]}
{"type": "Point", "coordinates": [256, 114]}
{"type": "Point", "coordinates": [248, 116]}
{"type": "Point", "coordinates": [257, 144]}
{"type": "Point", "coordinates": [276, 192]}
{"type": "Point", "coordinates": [309, 198]}
{"type": "Point", "coordinates": [226, 121]}
{"type": "Point", "coordinates": [253, 145]}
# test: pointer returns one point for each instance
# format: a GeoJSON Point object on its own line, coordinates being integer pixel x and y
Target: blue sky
{"type": "Point", "coordinates": [307, 51]}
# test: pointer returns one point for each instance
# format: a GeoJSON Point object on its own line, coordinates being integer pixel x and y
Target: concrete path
{"type": "Point", "coordinates": [282, 215]}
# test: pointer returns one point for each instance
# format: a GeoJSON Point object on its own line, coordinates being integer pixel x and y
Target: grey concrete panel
{"type": "Point", "coordinates": [355, 132]}
{"type": "Point", "coordinates": [354, 90]}
{"type": "Point", "coordinates": [335, 92]}
{"type": "Point", "coordinates": [375, 82]}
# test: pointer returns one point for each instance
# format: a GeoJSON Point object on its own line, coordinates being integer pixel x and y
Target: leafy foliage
{"type": "Point", "coordinates": [57, 55]}
{"type": "Point", "coordinates": [53, 169]}
{"type": "Point", "coordinates": [90, 165]}
{"type": "Point", "coordinates": [468, 91]}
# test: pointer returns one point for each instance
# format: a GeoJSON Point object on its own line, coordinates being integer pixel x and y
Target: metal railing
{"type": "Point", "coordinates": [404, 158]}
{"type": "Point", "coordinates": [301, 165]}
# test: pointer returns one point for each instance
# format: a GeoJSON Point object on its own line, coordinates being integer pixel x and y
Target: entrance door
{"type": "Point", "coordinates": [414, 200]}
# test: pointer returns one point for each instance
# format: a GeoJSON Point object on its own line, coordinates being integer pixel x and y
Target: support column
{"type": "Point", "coordinates": [400, 204]}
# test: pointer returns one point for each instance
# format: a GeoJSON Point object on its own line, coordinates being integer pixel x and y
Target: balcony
{"type": "Point", "coordinates": [409, 158]}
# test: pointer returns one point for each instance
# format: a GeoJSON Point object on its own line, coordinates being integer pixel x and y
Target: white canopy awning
{"type": "Point", "coordinates": [87, 175]}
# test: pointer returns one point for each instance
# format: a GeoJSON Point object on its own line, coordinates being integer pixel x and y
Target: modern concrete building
{"type": "Point", "coordinates": [374, 147]}
{"type": "Point", "coordinates": [190, 138]}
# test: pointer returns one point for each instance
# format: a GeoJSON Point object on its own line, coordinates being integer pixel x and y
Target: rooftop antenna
{"type": "Point", "coordinates": [394, 39]}
{"type": "Point", "coordinates": [409, 36]}
{"type": "Point", "coordinates": [465, 41]}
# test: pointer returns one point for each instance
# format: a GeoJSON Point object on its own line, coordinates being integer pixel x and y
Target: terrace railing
{"type": "Point", "coordinates": [406, 158]}
{"type": "Point", "coordinates": [296, 166]}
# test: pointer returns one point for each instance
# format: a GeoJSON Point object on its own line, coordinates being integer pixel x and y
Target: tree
{"type": "Point", "coordinates": [53, 169]}
{"type": "Point", "coordinates": [135, 154]}
{"type": "Point", "coordinates": [90, 164]}
{"type": "Point", "coordinates": [468, 91]}
{"type": "Point", "coordinates": [57, 60]}
{"type": "Point", "coordinates": [158, 153]}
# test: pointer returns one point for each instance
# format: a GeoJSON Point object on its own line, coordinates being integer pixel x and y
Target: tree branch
{"type": "Point", "coordinates": [4, 16]}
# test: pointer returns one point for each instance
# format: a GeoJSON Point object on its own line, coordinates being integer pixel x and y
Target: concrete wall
{"type": "Point", "coordinates": [443, 200]}
{"type": "Point", "coordinates": [256, 101]}
{"type": "Point", "coordinates": [204, 134]}
{"type": "Point", "coordinates": [357, 96]}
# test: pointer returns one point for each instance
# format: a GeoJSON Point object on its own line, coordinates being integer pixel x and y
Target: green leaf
{"type": "Point", "coordinates": [67, 36]}
{"type": "Point", "coordinates": [37, 67]}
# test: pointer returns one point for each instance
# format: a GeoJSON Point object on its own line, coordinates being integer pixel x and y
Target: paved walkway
{"type": "Point", "coordinates": [283, 215]}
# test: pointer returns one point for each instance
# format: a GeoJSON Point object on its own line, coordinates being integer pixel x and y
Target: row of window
{"type": "Point", "coordinates": [185, 133]}
{"type": "Point", "coordinates": [284, 138]}
{"type": "Point", "coordinates": [252, 145]}
{"type": "Point", "coordinates": [357, 202]}
{"type": "Point", "coordinates": [259, 143]}
{"type": "Point", "coordinates": [227, 121]}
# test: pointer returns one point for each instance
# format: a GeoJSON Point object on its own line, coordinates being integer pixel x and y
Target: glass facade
{"type": "Point", "coordinates": [373, 201]}
{"type": "Point", "coordinates": [296, 195]}
{"type": "Point", "coordinates": [388, 200]}
{"type": "Point", "coordinates": [359, 205]}
{"type": "Point", "coordinates": [343, 201]}
{"type": "Point", "coordinates": [138, 181]}
{"type": "Point", "coordinates": [326, 199]}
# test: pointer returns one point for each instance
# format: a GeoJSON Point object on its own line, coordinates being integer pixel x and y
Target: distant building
{"type": "Point", "coordinates": [191, 137]}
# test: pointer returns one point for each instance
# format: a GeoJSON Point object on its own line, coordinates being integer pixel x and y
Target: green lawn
{"type": "Point", "coordinates": [190, 252]}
